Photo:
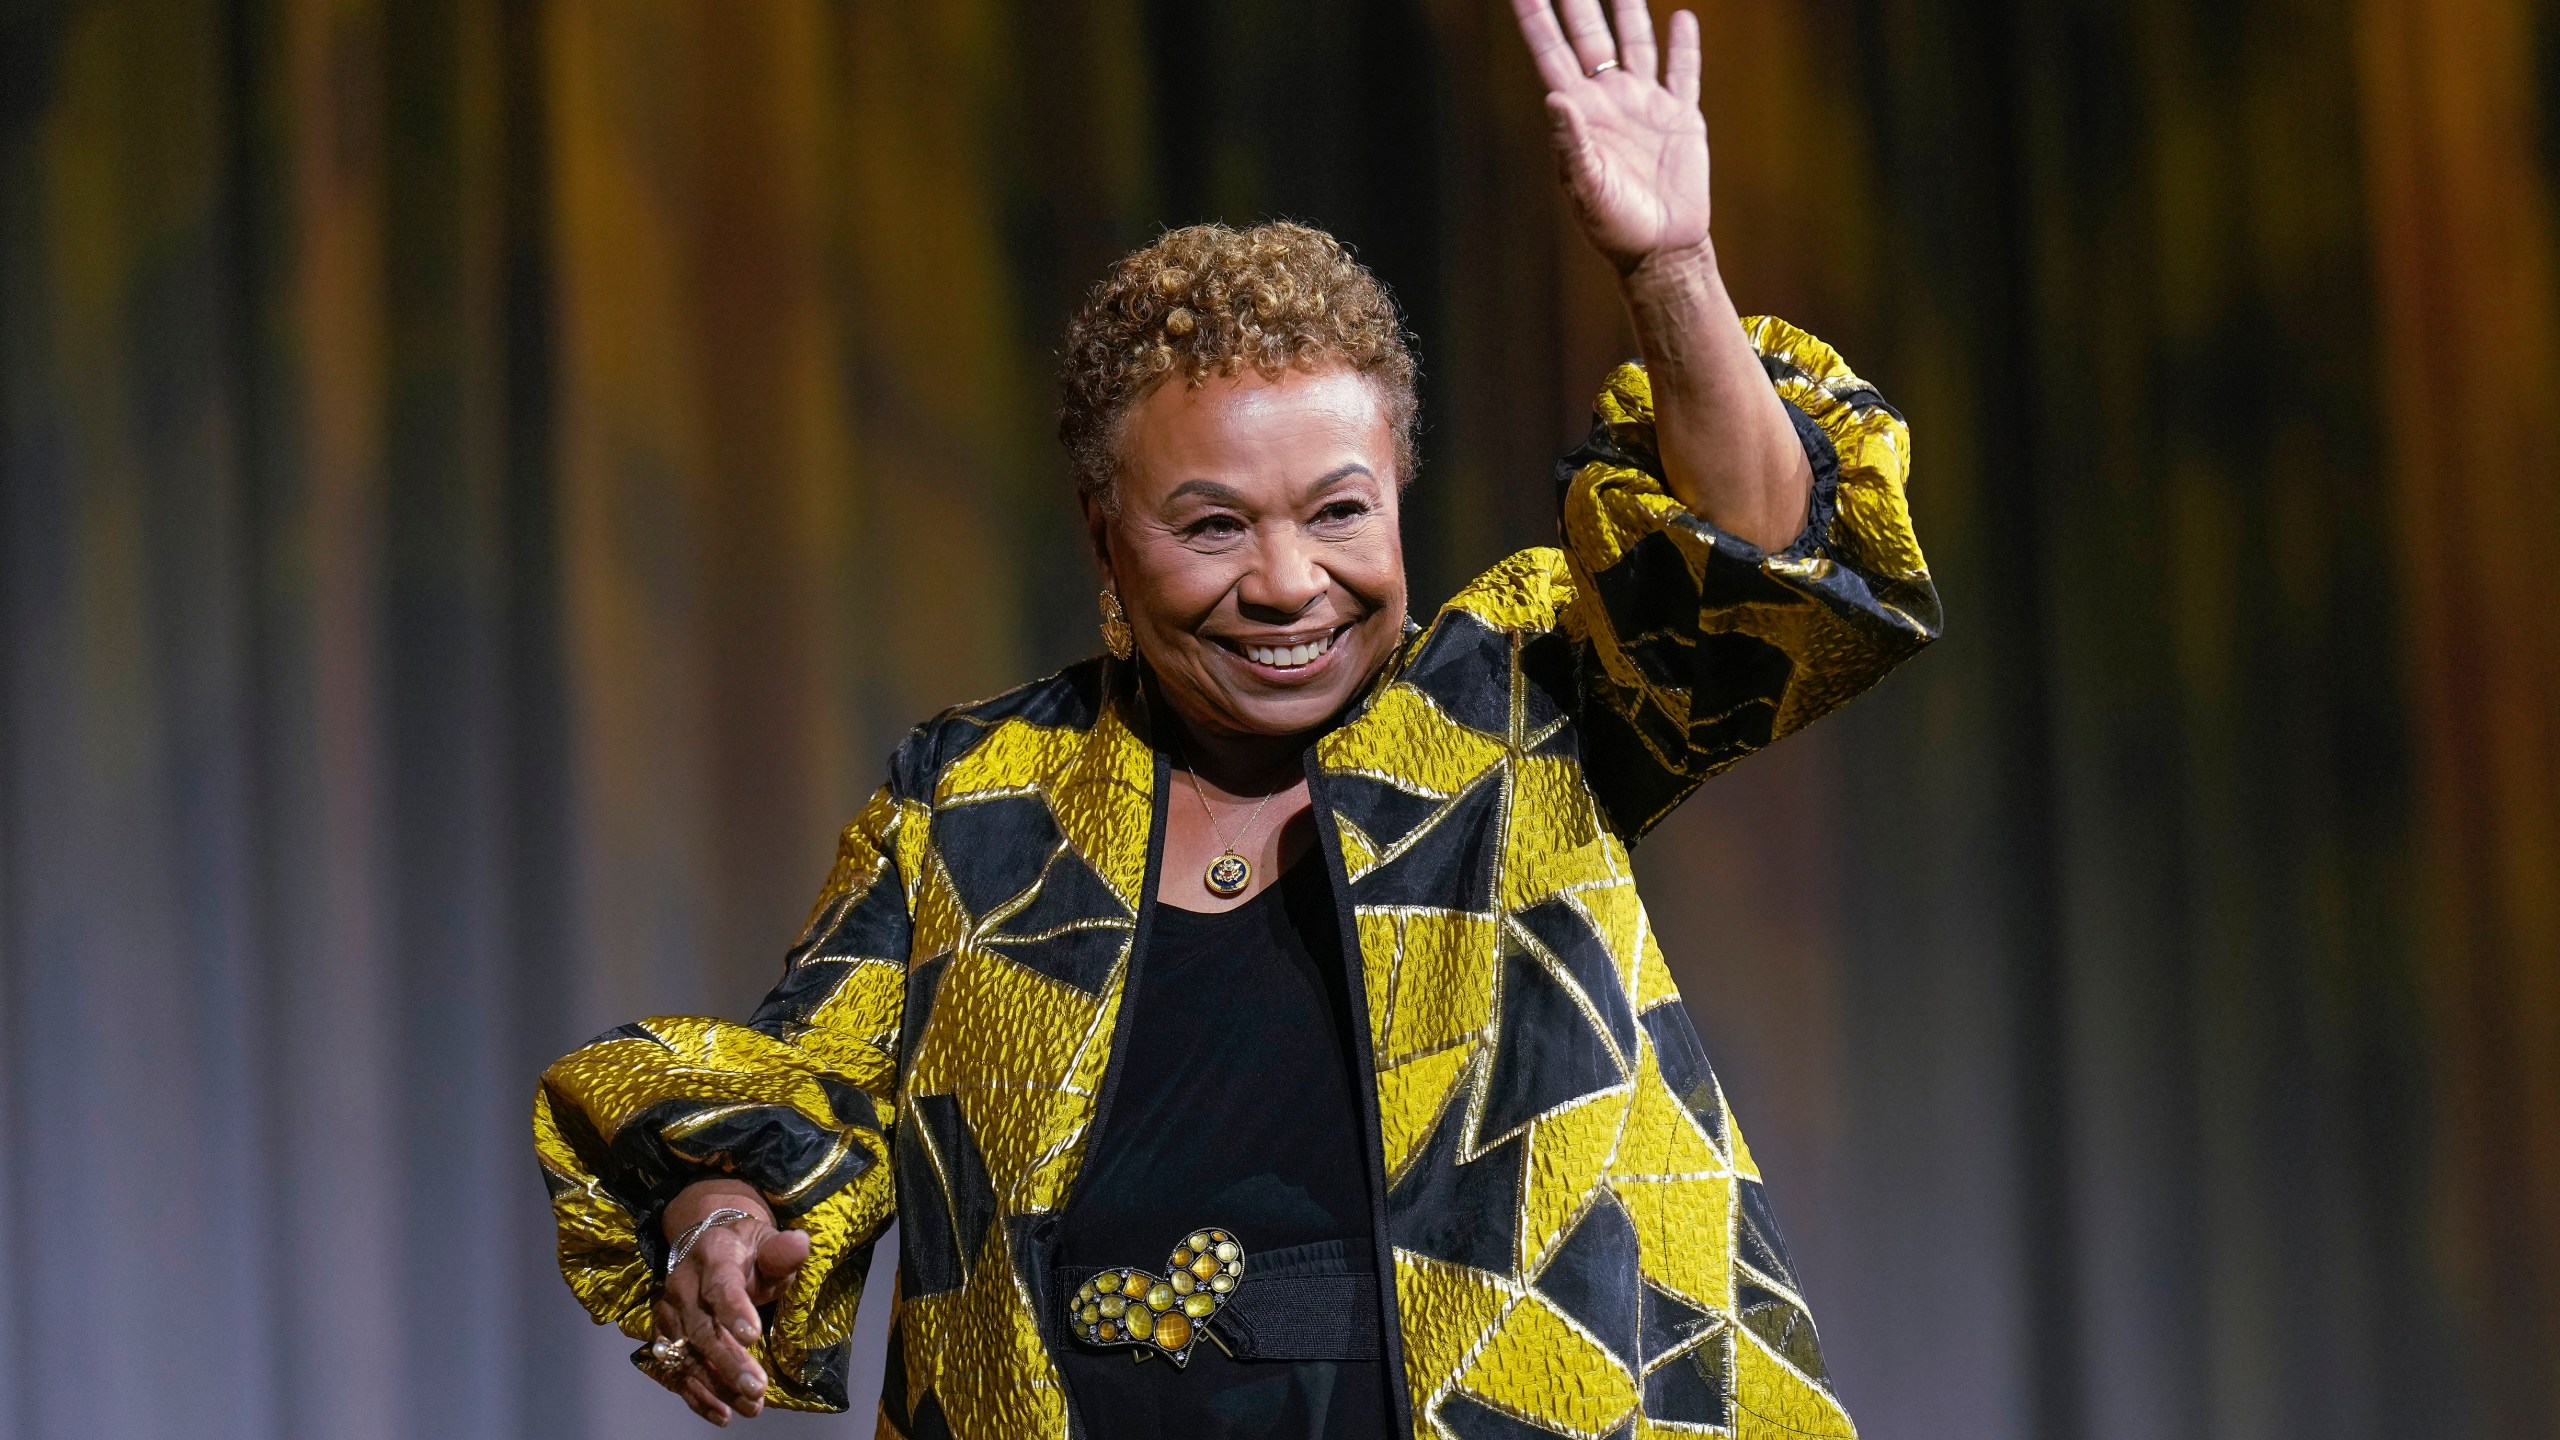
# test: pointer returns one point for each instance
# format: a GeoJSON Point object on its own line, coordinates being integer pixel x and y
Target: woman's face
{"type": "Point", "coordinates": [1256, 548]}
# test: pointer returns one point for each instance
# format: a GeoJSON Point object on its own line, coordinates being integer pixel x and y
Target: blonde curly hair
{"type": "Point", "coordinates": [1209, 300]}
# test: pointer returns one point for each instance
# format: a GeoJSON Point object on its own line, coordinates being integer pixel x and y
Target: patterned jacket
{"type": "Point", "coordinates": [1571, 1232]}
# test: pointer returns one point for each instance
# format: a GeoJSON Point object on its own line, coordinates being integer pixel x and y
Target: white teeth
{"type": "Point", "coordinates": [1288, 657]}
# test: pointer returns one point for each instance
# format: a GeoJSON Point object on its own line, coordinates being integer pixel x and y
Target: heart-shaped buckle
{"type": "Point", "coordinates": [1168, 1313]}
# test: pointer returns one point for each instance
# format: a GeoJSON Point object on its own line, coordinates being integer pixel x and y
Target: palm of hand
{"type": "Point", "coordinates": [1634, 161]}
{"type": "Point", "coordinates": [1630, 143]}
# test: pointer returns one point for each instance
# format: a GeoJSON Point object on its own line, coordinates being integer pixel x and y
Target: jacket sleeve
{"type": "Point", "coordinates": [799, 1102]}
{"type": "Point", "coordinates": [1698, 647]}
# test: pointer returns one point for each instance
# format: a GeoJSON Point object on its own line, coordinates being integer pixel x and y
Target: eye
{"type": "Point", "coordinates": [1213, 527]}
{"type": "Point", "coordinates": [1342, 512]}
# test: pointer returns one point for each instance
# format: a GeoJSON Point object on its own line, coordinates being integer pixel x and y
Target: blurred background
{"type": "Point", "coordinates": [483, 483]}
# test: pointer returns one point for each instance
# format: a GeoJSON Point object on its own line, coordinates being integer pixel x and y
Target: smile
{"type": "Point", "coordinates": [1289, 657]}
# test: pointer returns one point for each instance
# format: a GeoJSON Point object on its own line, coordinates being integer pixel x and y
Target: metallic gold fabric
{"type": "Point", "coordinates": [1579, 1235]}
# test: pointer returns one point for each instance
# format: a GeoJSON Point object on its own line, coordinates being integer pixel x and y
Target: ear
{"type": "Point", "coordinates": [1097, 532]}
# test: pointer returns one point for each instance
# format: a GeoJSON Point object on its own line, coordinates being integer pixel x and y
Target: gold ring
{"type": "Point", "coordinates": [1596, 71]}
{"type": "Point", "coordinates": [666, 1359]}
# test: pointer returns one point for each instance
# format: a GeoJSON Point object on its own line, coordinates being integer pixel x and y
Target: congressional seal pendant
{"type": "Point", "coordinates": [1228, 875]}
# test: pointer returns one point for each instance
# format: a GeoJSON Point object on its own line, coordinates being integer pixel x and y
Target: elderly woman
{"type": "Point", "coordinates": [1269, 998]}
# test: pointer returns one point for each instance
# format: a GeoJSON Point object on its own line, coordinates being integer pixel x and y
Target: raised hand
{"type": "Point", "coordinates": [1631, 146]}
{"type": "Point", "coordinates": [1632, 150]}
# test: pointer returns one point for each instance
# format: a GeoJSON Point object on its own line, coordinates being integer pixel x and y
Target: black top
{"type": "Point", "coordinates": [1233, 1106]}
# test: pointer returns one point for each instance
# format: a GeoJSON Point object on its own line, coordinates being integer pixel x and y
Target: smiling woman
{"type": "Point", "coordinates": [1256, 548]}
{"type": "Point", "coordinates": [1241, 409]}
{"type": "Point", "coordinates": [1262, 589]}
{"type": "Point", "coordinates": [1373, 1038]}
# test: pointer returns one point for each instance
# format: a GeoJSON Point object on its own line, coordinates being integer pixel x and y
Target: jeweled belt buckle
{"type": "Point", "coordinates": [1161, 1314]}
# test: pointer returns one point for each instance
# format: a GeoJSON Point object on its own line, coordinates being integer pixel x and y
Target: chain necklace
{"type": "Point", "coordinates": [1230, 874]}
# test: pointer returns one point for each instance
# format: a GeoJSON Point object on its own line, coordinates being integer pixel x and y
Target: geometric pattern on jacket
{"type": "Point", "coordinates": [1578, 1241]}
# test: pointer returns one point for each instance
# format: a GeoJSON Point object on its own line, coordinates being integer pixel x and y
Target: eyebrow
{"type": "Point", "coordinates": [1209, 490]}
{"type": "Point", "coordinates": [1220, 493]}
{"type": "Point", "coordinates": [1336, 476]}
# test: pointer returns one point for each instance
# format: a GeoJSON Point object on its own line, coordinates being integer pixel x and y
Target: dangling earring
{"type": "Point", "coordinates": [1115, 625]}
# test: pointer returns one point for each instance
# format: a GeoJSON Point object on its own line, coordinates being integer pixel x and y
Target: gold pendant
{"type": "Point", "coordinates": [1228, 875]}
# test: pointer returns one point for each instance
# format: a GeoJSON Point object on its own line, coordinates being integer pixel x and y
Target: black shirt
{"type": "Point", "coordinates": [1234, 1107]}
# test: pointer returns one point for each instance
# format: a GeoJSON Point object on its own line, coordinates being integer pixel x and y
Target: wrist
{"type": "Point", "coordinates": [699, 1235]}
{"type": "Point", "coordinates": [702, 1197]}
{"type": "Point", "coordinates": [1673, 271]}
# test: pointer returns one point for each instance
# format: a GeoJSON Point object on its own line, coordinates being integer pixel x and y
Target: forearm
{"type": "Point", "coordinates": [1729, 452]}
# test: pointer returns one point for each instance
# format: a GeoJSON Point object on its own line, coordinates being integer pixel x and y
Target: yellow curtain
{"type": "Point", "coordinates": [2464, 248]}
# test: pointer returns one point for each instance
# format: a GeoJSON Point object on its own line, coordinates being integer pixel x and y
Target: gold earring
{"type": "Point", "coordinates": [1115, 625]}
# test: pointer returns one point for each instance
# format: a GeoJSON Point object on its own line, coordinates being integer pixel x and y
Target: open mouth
{"type": "Point", "coordinates": [1295, 656]}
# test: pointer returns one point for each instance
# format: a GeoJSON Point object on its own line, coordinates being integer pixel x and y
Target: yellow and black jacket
{"type": "Point", "coordinates": [1575, 1231]}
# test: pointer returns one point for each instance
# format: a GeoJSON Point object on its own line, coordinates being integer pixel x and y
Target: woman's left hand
{"type": "Point", "coordinates": [1631, 146]}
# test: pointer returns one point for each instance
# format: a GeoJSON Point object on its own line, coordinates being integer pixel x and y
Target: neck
{"type": "Point", "coordinates": [1240, 764]}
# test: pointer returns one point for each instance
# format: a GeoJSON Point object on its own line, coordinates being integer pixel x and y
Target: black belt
{"type": "Point", "coordinates": [1303, 1317]}
{"type": "Point", "coordinates": [1307, 1302]}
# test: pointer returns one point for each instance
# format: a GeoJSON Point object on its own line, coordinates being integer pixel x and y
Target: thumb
{"type": "Point", "coordinates": [1569, 131]}
{"type": "Point", "coordinates": [782, 1253]}
{"type": "Point", "coordinates": [1577, 158]}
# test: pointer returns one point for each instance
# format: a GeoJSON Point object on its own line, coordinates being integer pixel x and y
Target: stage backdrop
{"type": "Point", "coordinates": [486, 482]}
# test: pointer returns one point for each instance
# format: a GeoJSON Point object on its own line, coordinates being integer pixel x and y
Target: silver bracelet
{"type": "Point", "coordinates": [725, 1215]}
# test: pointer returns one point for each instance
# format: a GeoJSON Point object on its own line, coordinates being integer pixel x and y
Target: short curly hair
{"type": "Point", "coordinates": [1209, 300]}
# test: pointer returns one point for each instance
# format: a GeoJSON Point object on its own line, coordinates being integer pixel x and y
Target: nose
{"type": "Point", "coordinates": [1284, 579]}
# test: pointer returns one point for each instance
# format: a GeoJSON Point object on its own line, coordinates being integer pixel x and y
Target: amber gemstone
{"type": "Point", "coordinates": [1183, 1284]}
{"type": "Point", "coordinates": [1199, 1305]}
{"type": "Point", "coordinates": [1135, 1287]}
{"type": "Point", "coordinates": [1109, 1331]}
{"type": "Point", "coordinates": [1173, 1332]}
{"type": "Point", "coordinates": [1140, 1323]}
{"type": "Point", "coordinates": [1205, 1266]}
{"type": "Point", "coordinates": [1181, 1256]}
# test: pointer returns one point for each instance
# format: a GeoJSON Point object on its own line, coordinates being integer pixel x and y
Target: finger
{"type": "Point", "coordinates": [703, 1378]}
{"type": "Point", "coordinates": [724, 1294]}
{"type": "Point", "coordinates": [716, 1352]}
{"type": "Point", "coordinates": [681, 1311]}
{"type": "Point", "coordinates": [1680, 69]}
{"type": "Point", "coordinates": [778, 1262]}
{"type": "Point", "coordinates": [1589, 32]}
{"type": "Point", "coordinates": [697, 1393]}
{"type": "Point", "coordinates": [736, 1317]}
{"type": "Point", "coordinates": [1547, 47]}
{"type": "Point", "coordinates": [1634, 22]}
{"type": "Point", "coordinates": [731, 1399]}
{"type": "Point", "coordinates": [713, 1329]}
{"type": "Point", "coordinates": [719, 1352]}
